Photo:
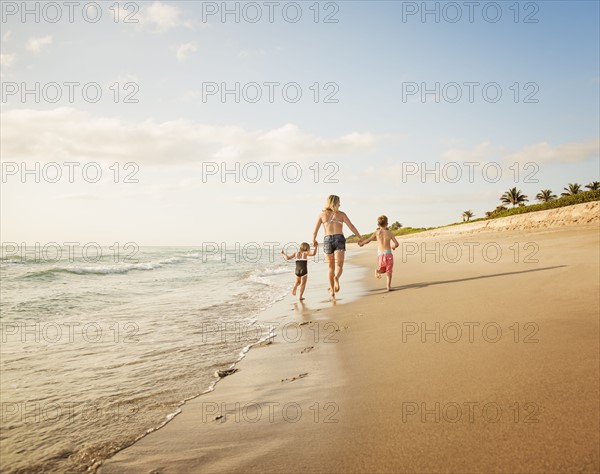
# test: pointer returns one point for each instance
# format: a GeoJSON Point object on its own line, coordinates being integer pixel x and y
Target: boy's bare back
{"type": "Point", "coordinates": [385, 239]}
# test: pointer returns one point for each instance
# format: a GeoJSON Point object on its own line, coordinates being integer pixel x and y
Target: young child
{"type": "Point", "coordinates": [384, 249]}
{"type": "Point", "coordinates": [301, 257]}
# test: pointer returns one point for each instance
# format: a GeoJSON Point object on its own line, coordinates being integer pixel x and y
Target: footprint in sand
{"type": "Point", "coordinates": [343, 328]}
{"type": "Point", "coordinates": [299, 376]}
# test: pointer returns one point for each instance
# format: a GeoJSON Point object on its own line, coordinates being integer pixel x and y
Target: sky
{"type": "Point", "coordinates": [181, 123]}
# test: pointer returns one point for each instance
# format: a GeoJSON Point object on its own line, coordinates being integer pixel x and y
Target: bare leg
{"type": "Point", "coordinates": [339, 267]}
{"type": "Point", "coordinates": [331, 264]}
{"type": "Point", "coordinates": [296, 283]}
{"type": "Point", "coordinates": [302, 286]}
{"type": "Point", "coordinates": [389, 281]}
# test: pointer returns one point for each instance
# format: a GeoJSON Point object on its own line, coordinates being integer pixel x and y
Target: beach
{"type": "Point", "coordinates": [485, 358]}
{"type": "Point", "coordinates": [177, 175]}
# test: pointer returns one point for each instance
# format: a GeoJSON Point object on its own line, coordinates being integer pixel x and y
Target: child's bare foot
{"type": "Point", "coordinates": [377, 274]}
{"type": "Point", "coordinates": [337, 284]}
{"type": "Point", "coordinates": [294, 290]}
{"type": "Point", "coordinates": [300, 299]}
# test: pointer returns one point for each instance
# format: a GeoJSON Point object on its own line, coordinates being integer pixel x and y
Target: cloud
{"type": "Point", "coordinates": [67, 134]}
{"type": "Point", "coordinates": [539, 152]}
{"type": "Point", "coordinates": [184, 50]}
{"type": "Point", "coordinates": [566, 153]}
{"type": "Point", "coordinates": [7, 60]}
{"type": "Point", "coordinates": [479, 153]}
{"type": "Point", "coordinates": [6, 36]}
{"type": "Point", "coordinates": [35, 44]}
{"type": "Point", "coordinates": [161, 17]}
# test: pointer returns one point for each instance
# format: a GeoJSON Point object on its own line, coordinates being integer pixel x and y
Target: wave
{"type": "Point", "coordinates": [104, 269]}
{"type": "Point", "coordinates": [192, 255]}
{"type": "Point", "coordinates": [96, 269]}
{"type": "Point", "coordinates": [171, 260]}
{"type": "Point", "coordinates": [271, 272]}
{"type": "Point", "coordinates": [12, 261]}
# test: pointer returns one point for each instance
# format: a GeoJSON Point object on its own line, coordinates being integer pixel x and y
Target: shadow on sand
{"type": "Point", "coordinates": [443, 282]}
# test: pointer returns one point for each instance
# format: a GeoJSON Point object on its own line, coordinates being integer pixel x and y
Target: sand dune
{"type": "Point", "coordinates": [579, 214]}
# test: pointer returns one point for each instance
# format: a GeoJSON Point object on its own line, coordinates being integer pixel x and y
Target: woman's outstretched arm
{"type": "Point", "coordinates": [370, 239]}
{"type": "Point", "coordinates": [316, 231]}
{"type": "Point", "coordinates": [352, 228]}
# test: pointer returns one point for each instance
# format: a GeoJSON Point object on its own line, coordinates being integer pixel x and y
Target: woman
{"type": "Point", "coordinates": [334, 245]}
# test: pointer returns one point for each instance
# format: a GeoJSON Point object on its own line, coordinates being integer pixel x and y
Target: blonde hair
{"type": "Point", "coordinates": [304, 247]}
{"type": "Point", "coordinates": [382, 221]}
{"type": "Point", "coordinates": [332, 203]}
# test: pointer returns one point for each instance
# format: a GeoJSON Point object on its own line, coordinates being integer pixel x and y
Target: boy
{"type": "Point", "coordinates": [384, 249]}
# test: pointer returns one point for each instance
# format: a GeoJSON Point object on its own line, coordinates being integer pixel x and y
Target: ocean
{"type": "Point", "coordinates": [97, 353]}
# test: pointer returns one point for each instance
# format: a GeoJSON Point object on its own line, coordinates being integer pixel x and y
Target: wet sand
{"type": "Point", "coordinates": [481, 361]}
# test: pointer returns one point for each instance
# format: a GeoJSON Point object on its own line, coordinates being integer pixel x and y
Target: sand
{"type": "Point", "coordinates": [483, 361]}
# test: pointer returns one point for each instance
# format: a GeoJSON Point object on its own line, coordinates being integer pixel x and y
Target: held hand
{"type": "Point", "coordinates": [315, 244]}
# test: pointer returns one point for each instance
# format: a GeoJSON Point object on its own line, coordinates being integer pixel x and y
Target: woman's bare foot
{"type": "Point", "coordinates": [331, 293]}
{"type": "Point", "coordinates": [337, 284]}
{"type": "Point", "coordinates": [377, 274]}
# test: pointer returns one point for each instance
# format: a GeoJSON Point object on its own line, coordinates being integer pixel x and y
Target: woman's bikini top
{"type": "Point", "coordinates": [333, 219]}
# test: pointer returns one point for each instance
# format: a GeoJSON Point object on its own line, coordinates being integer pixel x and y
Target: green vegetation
{"type": "Point", "coordinates": [573, 195]}
{"type": "Point", "coordinates": [514, 197]}
{"type": "Point", "coordinates": [574, 188]}
{"type": "Point", "coordinates": [545, 195]}
{"type": "Point", "coordinates": [593, 186]}
{"type": "Point", "coordinates": [569, 200]}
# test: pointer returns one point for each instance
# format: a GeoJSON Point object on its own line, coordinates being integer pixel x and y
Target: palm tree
{"type": "Point", "coordinates": [467, 215]}
{"type": "Point", "coordinates": [514, 197]}
{"type": "Point", "coordinates": [593, 186]}
{"type": "Point", "coordinates": [574, 188]}
{"type": "Point", "coordinates": [545, 195]}
{"type": "Point", "coordinates": [395, 226]}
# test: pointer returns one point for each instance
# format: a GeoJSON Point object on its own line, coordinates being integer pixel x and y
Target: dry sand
{"type": "Point", "coordinates": [391, 384]}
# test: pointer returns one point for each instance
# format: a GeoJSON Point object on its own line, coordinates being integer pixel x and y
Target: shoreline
{"type": "Point", "coordinates": [276, 318]}
{"type": "Point", "coordinates": [360, 397]}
